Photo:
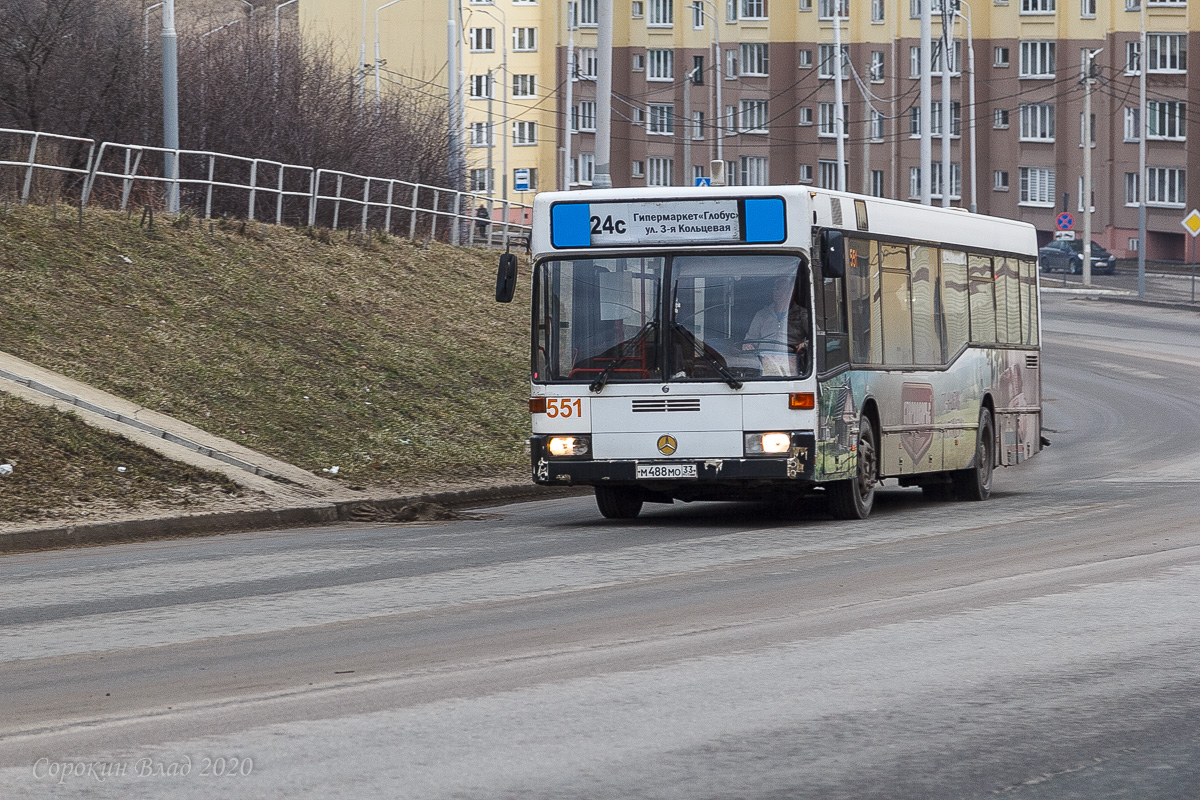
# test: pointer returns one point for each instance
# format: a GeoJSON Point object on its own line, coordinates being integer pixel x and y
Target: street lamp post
{"type": "Point", "coordinates": [503, 103]}
{"type": "Point", "coordinates": [1086, 193]}
{"type": "Point", "coordinates": [276, 39]}
{"type": "Point", "coordinates": [839, 122]}
{"type": "Point", "coordinates": [971, 102]}
{"type": "Point", "coordinates": [378, 100]}
{"type": "Point", "coordinates": [170, 79]}
{"type": "Point", "coordinates": [717, 119]}
{"type": "Point", "coordinates": [250, 7]}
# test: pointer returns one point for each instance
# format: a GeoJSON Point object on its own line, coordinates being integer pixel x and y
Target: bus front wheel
{"type": "Point", "coordinates": [854, 498]}
{"type": "Point", "coordinates": [975, 482]}
{"type": "Point", "coordinates": [618, 502]}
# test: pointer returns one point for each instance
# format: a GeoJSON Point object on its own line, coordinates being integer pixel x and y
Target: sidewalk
{"type": "Point", "coordinates": [286, 494]}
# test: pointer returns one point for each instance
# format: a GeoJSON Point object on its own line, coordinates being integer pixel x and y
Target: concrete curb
{"type": "Point", "coordinates": [80, 535]}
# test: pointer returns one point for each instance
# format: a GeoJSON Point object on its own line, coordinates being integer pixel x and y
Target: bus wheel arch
{"type": "Point", "coordinates": [619, 502]}
{"type": "Point", "coordinates": [975, 482]}
{"type": "Point", "coordinates": [853, 498]}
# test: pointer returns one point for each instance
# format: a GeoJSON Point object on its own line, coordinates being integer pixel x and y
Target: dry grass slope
{"type": "Point", "coordinates": [383, 357]}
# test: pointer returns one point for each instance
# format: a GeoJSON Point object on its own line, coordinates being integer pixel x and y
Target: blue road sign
{"type": "Point", "coordinates": [703, 182]}
{"type": "Point", "coordinates": [1065, 221]}
{"type": "Point", "coordinates": [520, 180]}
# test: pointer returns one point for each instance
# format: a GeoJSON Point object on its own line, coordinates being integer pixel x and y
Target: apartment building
{"type": "Point", "coordinates": [752, 82]}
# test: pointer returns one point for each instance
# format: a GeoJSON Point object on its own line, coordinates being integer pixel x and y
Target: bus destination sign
{"type": "Point", "coordinates": [666, 222]}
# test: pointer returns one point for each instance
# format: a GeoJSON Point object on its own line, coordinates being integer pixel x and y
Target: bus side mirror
{"type": "Point", "coordinates": [506, 278]}
{"type": "Point", "coordinates": [833, 254]}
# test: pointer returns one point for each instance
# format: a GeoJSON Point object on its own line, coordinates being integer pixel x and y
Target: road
{"type": "Point", "coordinates": [1044, 644]}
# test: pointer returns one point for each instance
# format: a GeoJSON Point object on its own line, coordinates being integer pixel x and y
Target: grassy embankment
{"type": "Point", "coordinates": [385, 358]}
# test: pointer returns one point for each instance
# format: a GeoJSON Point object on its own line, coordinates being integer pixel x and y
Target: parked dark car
{"type": "Point", "coordinates": [1065, 257]}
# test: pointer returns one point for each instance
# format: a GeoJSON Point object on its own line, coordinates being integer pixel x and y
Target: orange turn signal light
{"type": "Point", "coordinates": [802, 401]}
{"type": "Point", "coordinates": [537, 405]}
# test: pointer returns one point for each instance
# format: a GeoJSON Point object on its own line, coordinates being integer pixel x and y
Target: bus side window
{"type": "Point", "coordinates": [928, 325]}
{"type": "Point", "coordinates": [954, 300]}
{"type": "Point", "coordinates": [983, 299]}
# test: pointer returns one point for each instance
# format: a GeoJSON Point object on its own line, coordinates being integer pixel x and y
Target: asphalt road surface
{"type": "Point", "coordinates": [1044, 644]}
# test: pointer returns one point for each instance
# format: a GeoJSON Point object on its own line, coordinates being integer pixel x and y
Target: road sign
{"type": "Point", "coordinates": [703, 182]}
{"type": "Point", "coordinates": [1064, 236]}
{"type": "Point", "coordinates": [1192, 223]}
{"type": "Point", "coordinates": [1065, 221]}
{"type": "Point", "coordinates": [520, 180]}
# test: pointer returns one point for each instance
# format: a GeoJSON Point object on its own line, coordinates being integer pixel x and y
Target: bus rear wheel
{"type": "Point", "coordinates": [854, 498]}
{"type": "Point", "coordinates": [619, 502]}
{"type": "Point", "coordinates": [975, 483]}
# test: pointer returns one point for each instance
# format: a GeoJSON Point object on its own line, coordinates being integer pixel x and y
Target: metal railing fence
{"type": "Point", "coordinates": [262, 189]}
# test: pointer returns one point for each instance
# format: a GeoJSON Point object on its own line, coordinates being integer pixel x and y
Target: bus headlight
{"type": "Point", "coordinates": [762, 444]}
{"type": "Point", "coordinates": [568, 445]}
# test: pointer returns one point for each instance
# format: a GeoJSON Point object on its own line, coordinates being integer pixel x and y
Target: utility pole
{"type": "Point", "coordinates": [947, 117]}
{"type": "Point", "coordinates": [170, 79]}
{"type": "Point", "coordinates": [839, 123]}
{"type": "Point", "coordinates": [572, 22]}
{"type": "Point", "coordinates": [926, 107]}
{"type": "Point", "coordinates": [688, 132]}
{"type": "Point", "coordinates": [1086, 195]}
{"type": "Point", "coordinates": [1144, 124]}
{"type": "Point", "coordinates": [602, 178]}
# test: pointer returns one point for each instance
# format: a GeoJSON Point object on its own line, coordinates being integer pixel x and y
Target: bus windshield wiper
{"type": "Point", "coordinates": [622, 355]}
{"type": "Point", "coordinates": [733, 382]}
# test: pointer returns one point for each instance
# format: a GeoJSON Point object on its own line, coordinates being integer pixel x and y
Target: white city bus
{"type": "Point", "coordinates": [747, 342]}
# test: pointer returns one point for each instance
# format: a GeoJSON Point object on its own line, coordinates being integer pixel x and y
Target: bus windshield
{"type": "Point", "coordinates": [723, 317]}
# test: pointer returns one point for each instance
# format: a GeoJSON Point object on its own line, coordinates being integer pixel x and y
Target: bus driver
{"type": "Point", "coordinates": [779, 330]}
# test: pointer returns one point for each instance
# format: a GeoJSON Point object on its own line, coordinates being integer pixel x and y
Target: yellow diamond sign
{"type": "Point", "coordinates": [1192, 223]}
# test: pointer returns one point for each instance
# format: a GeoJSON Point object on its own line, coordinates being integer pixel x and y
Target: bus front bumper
{"type": "Point", "coordinates": [794, 466]}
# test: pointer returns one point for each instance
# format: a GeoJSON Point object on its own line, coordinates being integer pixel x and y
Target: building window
{"type": "Point", "coordinates": [697, 73]}
{"type": "Point", "coordinates": [1037, 122]}
{"type": "Point", "coordinates": [1037, 186]}
{"type": "Point", "coordinates": [826, 8]}
{"type": "Point", "coordinates": [587, 13]}
{"type": "Point", "coordinates": [827, 61]}
{"type": "Point", "coordinates": [662, 119]}
{"type": "Point", "coordinates": [1083, 131]}
{"type": "Point", "coordinates": [697, 124]}
{"type": "Point", "coordinates": [587, 115]}
{"type": "Point", "coordinates": [1133, 60]}
{"type": "Point", "coordinates": [524, 133]}
{"type": "Point", "coordinates": [876, 126]}
{"type": "Point", "coordinates": [827, 121]}
{"type": "Point", "coordinates": [1000, 118]}
{"type": "Point", "coordinates": [936, 186]}
{"type": "Point", "coordinates": [697, 174]}
{"type": "Point", "coordinates": [935, 125]}
{"type": "Point", "coordinates": [1131, 188]}
{"type": "Point", "coordinates": [753, 59]}
{"type": "Point", "coordinates": [658, 171]}
{"type": "Point", "coordinates": [806, 173]}
{"type": "Point", "coordinates": [482, 40]}
{"type": "Point", "coordinates": [481, 134]}
{"type": "Point", "coordinates": [752, 171]}
{"type": "Point", "coordinates": [805, 59]}
{"type": "Point", "coordinates": [999, 56]}
{"type": "Point", "coordinates": [1166, 186]}
{"type": "Point", "coordinates": [876, 66]}
{"type": "Point", "coordinates": [806, 115]}
{"type": "Point", "coordinates": [730, 122]}
{"type": "Point", "coordinates": [637, 9]}
{"type": "Point", "coordinates": [639, 169]}
{"type": "Point", "coordinates": [481, 86]}
{"type": "Point", "coordinates": [662, 65]}
{"type": "Point", "coordinates": [639, 62]}
{"type": "Point", "coordinates": [481, 180]}
{"type": "Point", "coordinates": [1087, 9]}
{"type": "Point", "coordinates": [731, 64]}
{"type": "Point", "coordinates": [1037, 59]}
{"type": "Point", "coordinates": [1168, 120]}
{"type": "Point", "coordinates": [731, 11]}
{"type": "Point", "coordinates": [1133, 124]}
{"type": "Point", "coordinates": [1037, 6]}
{"type": "Point", "coordinates": [914, 182]}
{"type": "Point", "coordinates": [754, 9]}
{"type": "Point", "coordinates": [914, 121]}
{"type": "Point", "coordinates": [877, 16]}
{"type": "Point", "coordinates": [877, 183]}
{"type": "Point", "coordinates": [662, 15]}
{"type": "Point", "coordinates": [639, 116]}
{"type": "Point", "coordinates": [586, 169]}
{"type": "Point", "coordinates": [1000, 180]}
{"type": "Point", "coordinates": [524, 40]}
{"type": "Point", "coordinates": [829, 173]}
{"type": "Point", "coordinates": [524, 86]}
{"type": "Point", "coordinates": [753, 117]}
{"type": "Point", "coordinates": [697, 16]}
{"type": "Point", "coordinates": [806, 5]}
{"type": "Point", "coordinates": [1091, 197]}
{"type": "Point", "coordinates": [1167, 52]}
